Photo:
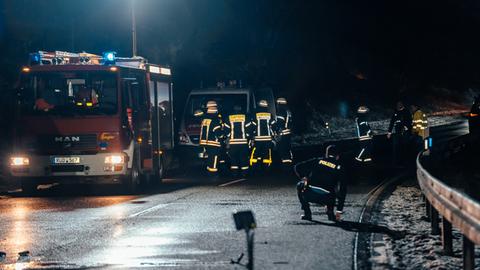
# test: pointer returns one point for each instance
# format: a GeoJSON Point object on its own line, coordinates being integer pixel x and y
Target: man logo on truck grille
{"type": "Point", "coordinates": [67, 139]}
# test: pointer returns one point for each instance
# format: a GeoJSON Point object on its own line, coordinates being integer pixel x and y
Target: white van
{"type": "Point", "coordinates": [226, 98]}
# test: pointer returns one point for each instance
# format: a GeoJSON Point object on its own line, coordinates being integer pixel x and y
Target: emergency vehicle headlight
{"type": "Point", "coordinates": [109, 58]}
{"type": "Point", "coordinates": [19, 161]}
{"type": "Point", "coordinates": [115, 159]}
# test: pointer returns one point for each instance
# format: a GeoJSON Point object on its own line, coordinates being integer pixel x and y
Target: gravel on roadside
{"type": "Point", "coordinates": [404, 210]}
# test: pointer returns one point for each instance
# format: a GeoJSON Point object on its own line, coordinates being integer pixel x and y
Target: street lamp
{"type": "Point", "coordinates": [134, 29]}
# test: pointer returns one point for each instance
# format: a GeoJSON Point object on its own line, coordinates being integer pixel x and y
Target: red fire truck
{"type": "Point", "coordinates": [86, 118]}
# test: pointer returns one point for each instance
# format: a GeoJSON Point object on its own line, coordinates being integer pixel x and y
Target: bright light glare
{"type": "Point", "coordinates": [110, 56]}
{"type": "Point", "coordinates": [165, 71]}
{"type": "Point", "coordinates": [19, 161]}
{"type": "Point", "coordinates": [114, 159]}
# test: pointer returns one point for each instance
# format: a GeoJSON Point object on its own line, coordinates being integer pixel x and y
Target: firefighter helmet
{"type": "Point", "coordinates": [363, 109]}
{"type": "Point", "coordinates": [211, 104]}
{"type": "Point", "coordinates": [281, 101]}
{"type": "Point", "coordinates": [263, 103]}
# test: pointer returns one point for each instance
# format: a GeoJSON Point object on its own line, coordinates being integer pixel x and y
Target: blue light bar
{"type": "Point", "coordinates": [109, 58]}
{"type": "Point", "coordinates": [35, 58]}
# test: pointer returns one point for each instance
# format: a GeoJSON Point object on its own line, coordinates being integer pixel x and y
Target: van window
{"type": "Point", "coordinates": [225, 102]}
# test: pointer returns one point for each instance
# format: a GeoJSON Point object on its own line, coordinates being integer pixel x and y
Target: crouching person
{"type": "Point", "coordinates": [322, 182]}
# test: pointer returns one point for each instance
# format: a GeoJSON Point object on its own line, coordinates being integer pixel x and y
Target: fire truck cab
{"type": "Point", "coordinates": [86, 118]}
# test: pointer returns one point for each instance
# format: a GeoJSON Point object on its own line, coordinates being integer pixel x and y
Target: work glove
{"type": "Point", "coordinates": [305, 183]}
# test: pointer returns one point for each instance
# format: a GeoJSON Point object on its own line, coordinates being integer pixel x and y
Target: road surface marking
{"type": "Point", "coordinates": [232, 182]}
{"type": "Point", "coordinates": [151, 209]}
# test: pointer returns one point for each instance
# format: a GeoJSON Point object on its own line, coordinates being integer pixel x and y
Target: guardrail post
{"type": "Point", "coordinates": [434, 220]}
{"type": "Point", "coordinates": [447, 237]}
{"type": "Point", "coordinates": [428, 206]}
{"type": "Point", "coordinates": [468, 254]}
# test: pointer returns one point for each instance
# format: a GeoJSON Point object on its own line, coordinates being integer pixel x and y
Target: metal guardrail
{"type": "Point", "coordinates": [462, 211]}
{"type": "Point", "coordinates": [455, 208]}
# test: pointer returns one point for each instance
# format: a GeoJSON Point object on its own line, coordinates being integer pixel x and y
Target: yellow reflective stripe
{"type": "Point", "coordinates": [263, 138]}
{"type": "Point", "coordinates": [269, 160]}
{"type": "Point", "coordinates": [242, 142]}
{"type": "Point", "coordinates": [238, 140]}
{"type": "Point", "coordinates": [212, 143]}
{"type": "Point", "coordinates": [212, 169]}
{"type": "Point", "coordinates": [263, 115]}
{"type": "Point", "coordinates": [252, 160]}
{"type": "Point", "coordinates": [245, 168]}
{"type": "Point", "coordinates": [206, 122]}
{"type": "Point", "coordinates": [237, 118]}
{"type": "Point", "coordinates": [329, 164]}
{"type": "Point", "coordinates": [215, 162]}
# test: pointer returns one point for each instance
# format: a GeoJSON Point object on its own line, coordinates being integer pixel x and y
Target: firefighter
{"type": "Point", "coordinates": [86, 97]}
{"type": "Point", "coordinates": [365, 136]}
{"type": "Point", "coordinates": [474, 120]}
{"type": "Point", "coordinates": [283, 128]}
{"type": "Point", "coordinates": [238, 130]}
{"type": "Point", "coordinates": [263, 139]}
{"type": "Point", "coordinates": [420, 130]}
{"type": "Point", "coordinates": [210, 135]}
{"type": "Point", "coordinates": [399, 131]}
{"type": "Point", "coordinates": [322, 182]}
{"type": "Point", "coordinates": [222, 157]}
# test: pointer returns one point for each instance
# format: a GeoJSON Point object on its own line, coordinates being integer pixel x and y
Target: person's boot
{"type": "Point", "coordinates": [307, 215]}
{"type": "Point", "coordinates": [331, 216]}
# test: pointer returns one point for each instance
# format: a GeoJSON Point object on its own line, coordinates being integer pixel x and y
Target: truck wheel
{"type": "Point", "coordinates": [29, 186]}
{"type": "Point", "coordinates": [132, 181]}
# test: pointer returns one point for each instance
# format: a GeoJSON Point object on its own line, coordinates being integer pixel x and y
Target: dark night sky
{"type": "Point", "coordinates": [359, 51]}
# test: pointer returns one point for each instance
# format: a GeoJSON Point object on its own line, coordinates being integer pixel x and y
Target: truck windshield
{"type": "Point", "coordinates": [226, 103]}
{"type": "Point", "coordinates": [69, 93]}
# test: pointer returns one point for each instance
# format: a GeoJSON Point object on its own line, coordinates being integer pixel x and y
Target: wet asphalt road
{"type": "Point", "coordinates": [184, 224]}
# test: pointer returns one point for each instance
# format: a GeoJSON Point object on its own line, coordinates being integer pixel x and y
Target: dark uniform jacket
{"type": "Point", "coordinates": [211, 130]}
{"type": "Point", "coordinates": [401, 122]}
{"type": "Point", "coordinates": [238, 129]}
{"type": "Point", "coordinates": [325, 173]}
{"type": "Point", "coordinates": [284, 122]}
{"type": "Point", "coordinates": [263, 126]}
{"type": "Point", "coordinates": [364, 131]}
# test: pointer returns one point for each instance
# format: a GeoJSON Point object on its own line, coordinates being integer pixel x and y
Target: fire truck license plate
{"type": "Point", "coordinates": [66, 160]}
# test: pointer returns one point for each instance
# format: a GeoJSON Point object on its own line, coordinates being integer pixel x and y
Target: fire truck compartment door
{"type": "Point", "coordinates": [165, 114]}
